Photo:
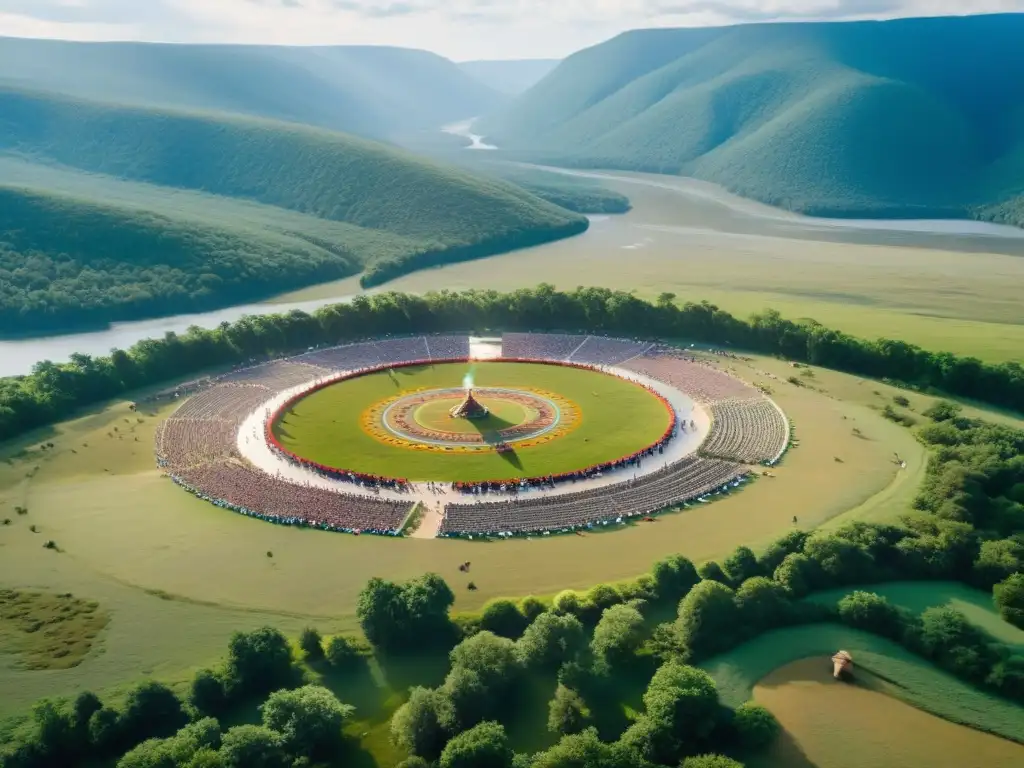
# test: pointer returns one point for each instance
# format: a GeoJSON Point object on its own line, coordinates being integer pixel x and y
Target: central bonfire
{"type": "Point", "coordinates": [469, 408]}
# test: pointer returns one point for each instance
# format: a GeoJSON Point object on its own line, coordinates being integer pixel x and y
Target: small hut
{"type": "Point", "coordinates": [842, 664]}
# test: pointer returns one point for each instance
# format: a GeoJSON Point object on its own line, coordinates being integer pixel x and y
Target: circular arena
{"type": "Point", "coordinates": [529, 434]}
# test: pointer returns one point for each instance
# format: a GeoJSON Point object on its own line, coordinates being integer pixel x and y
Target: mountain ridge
{"type": "Point", "coordinates": [912, 117]}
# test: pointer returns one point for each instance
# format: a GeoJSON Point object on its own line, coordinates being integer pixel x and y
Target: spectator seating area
{"type": "Point", "coordinates": [688, 479]}
{"type": "Point", "coordinates": [751, 431]}
{"type": "Point", "coordinates": [598, 350]}
{"type": "Point", "coordinates": [239, 487]}
{"type": "Point", "coordinates": [699, 380]}
{"type": "Point", "coordinates": [198, 445]}
{"type": "Point", "coordinates": [540, 346]}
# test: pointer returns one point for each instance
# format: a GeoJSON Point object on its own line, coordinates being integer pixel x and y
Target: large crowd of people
{"type": "Point", "coordinates": [751, 431]}
{"type": "Point", "coordinates": [685, 480]}
{"type": "Point", "coordinates": [198, 445]}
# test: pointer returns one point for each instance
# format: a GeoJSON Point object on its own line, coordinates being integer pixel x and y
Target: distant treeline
{"type": "Point", "coordinates": [53, 391]}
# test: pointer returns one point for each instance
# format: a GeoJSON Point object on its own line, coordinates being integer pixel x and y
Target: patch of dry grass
{"type": "Point", "coordinates": [49, 631]}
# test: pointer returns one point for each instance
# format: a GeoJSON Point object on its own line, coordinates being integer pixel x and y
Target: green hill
{"type": "Point", "coordinates": [512, 76]}
{"type": "Point", "coordinates": [378, 92]}
{"type": "Point", "coordinates": [120, 202]}
{"type": "Point", "coordinates": [914, 117]}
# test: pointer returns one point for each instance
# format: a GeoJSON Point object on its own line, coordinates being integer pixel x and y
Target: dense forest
{"type": "Point", "coordinates": [910, 118]}
{"type": "Point", "coordinates": [54, 391]}
{"type": "Point", "coordinates": [582, 649]}
{"type": "Point", "coordinates": [155, 211]}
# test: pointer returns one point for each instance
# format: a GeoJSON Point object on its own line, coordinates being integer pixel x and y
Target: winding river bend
{"type": "Point", "coordinates": [693, 238]}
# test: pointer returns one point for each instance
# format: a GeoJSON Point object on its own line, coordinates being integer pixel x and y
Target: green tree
{"type": "Point", "coordinates": [681, 704]}
{"type": "Point", "coordinates": [1009, 599]}
{"type": "Point", "coordinates": [152, 753]}
{"type": "Point", "coordinates": [400, 616]}
{"type": "Point", "coordinates": [311, 643]}
{"type": "Point", "coordinates": [207, 758]}
{"type": "Point", "coordinates": [491, 657]}
{"type": "Point", "coordinates": [207, 692]}
{"type": "Point", "coordinates": [483, 746]}
{"type": "Point", "coordinates": [85, 706]}
{"type": "Point", "coordinates": [531, 608]}
{"type": "Point", "coordinates": [569, 602]}
{"type": "Point", "coordinates": [567, 712]}
{"type": "Point", "coordinates": [997, 560]}
{"type": "Point", "coordinates": [796, 573]}
{"type": "Point", "coordinates": [551, 640]}
{"type": "Point", "coordinates": [416, 725]}
{"type": "Point", "coordinates": [711, 761]}
{"type": "Point", "coordinates": [586, 750]}
{"type": "Point", "coordinates": [617, 636]}
{"type": "Point", "coordinates": [871, 612]}
{"type": "Point", "coordinates": [755, 726]}
{"type": "Point", "coordinates": [503, 618]}
{"type": "Point", "coordinates": [258, 662]}
{"type": "Point", "coordinates": [253, 746]}
{"type": "Point", "coordinates": [151, 710]}
{"type": "Point", "coordinates": [708, 618]}
{"type": "Point", "coordinates": [741, 565]}
{"type": "Point", "coordinates": [341, 652]}
{"type": "Point", "coordinates": [309, 720]}
{"type": "Point", "coordinates": [674, 576]}
{"type": "Point", "coordinates": [413, 762]}
{"type": "Point", "coordinates": [762, 603]}
{"type": "Point", "coordinates": [777, 551]}
{"type": "Point", "coordinates": [104, 729]}
{"type": "Point", "coordinates": [712, 571]}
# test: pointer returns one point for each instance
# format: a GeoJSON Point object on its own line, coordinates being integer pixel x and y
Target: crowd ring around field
{"type": "Point", "coordinates": [199, 445]}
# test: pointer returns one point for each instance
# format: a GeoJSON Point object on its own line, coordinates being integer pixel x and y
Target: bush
{"type": "Point", "coordinates": [402, 616]}
{"type": "Point", "coordinates": [569, 602]}
{"type": "Point", "coordinates": [531, 608]}
{"type": "Point", "coordinates": [708, 619]}
{"type": "Point", "coordinates": [741, 565]}
{"type": "Point", "coordinates": [796, 573]}
{"type": "Point", "coordinates": [253, 746]}
{"type": "Point", "coordinates": [503, 618]}
{"type": "Point", "coordinates": [755, 726]}
{"type": "Point", "coordinates": [341, 652]}
{"type": "Point", "coordinates": [104, 729]}
{"type": "Point", "coordinates": [413, 762]}
{"type": "Point", "coordinates": [998, 560]}
{"type": "Point", "coordinates": [309, 720]}
{"type": "Point", "coordinates": [1009, 599]}
{"type": "Point", "coordinates": [762, 604]}
{"type": "Point", "coordinates": [259, 662]}
{"type": "Point", "coordinates": [872, 613]}
{"type": "Point", "coordinates": [673, 576]}
{"type": "Point", "coordinates": [484, 746]}
{"type": "Point", "coordinates": [207, 693]}
{"type": "Point", "coordinates": [711, 761]}
{"type": "Point", "coordinates": [311, 644]}
{"type": "Point", "coordinates": [712, 571]}
{"type": "Point", "coordinates": [617, 637]}
{"type": "Point", "coordinates": [777, 551]}
{"type": "Point", "coordinates": [151, 710]}
{"type": "Point", "coordinates": [567, 712]}
{"type": "Point", "coordinates": [416, 725]}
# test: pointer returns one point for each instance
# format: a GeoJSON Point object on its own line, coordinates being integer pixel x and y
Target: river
{"type": "Point", "coordinates": [699, 241]}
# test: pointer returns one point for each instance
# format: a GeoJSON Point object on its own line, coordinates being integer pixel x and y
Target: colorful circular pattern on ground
{"type": "Point", "coordinates": [546, 419]}
{"type": "Point", "coordinates": [515, 417]}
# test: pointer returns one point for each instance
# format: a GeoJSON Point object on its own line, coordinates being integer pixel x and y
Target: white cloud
{"type": "Point", "coordinates": [460, 29]}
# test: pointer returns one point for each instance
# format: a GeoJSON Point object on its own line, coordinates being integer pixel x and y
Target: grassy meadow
{"type": "Point", "coordinates": [615, 418]}
{"type": "Point", "coordinates": [953, 293]}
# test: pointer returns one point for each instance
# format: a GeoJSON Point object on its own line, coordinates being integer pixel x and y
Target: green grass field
{"type": "Point", "coordinates": [888, 665]}
{"type": "Point", "coordinates": [616, 418]}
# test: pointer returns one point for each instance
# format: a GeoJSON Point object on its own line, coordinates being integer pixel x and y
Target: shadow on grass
{"type": "Point", "coordinates": [785, 752]}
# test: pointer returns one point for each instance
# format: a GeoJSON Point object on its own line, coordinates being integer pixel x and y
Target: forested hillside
{"type": "Point", "coordinates": [914, 117]}
{"type": "Point", "coordinates": [372, 91]}
{"type": "Point", "coordinates": [246, 207]}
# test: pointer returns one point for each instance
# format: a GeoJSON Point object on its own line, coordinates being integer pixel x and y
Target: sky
{"type": "Point", "coordinates": [459, 29]}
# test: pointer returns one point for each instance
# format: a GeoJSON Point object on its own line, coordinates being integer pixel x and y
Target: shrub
{"type": "Point", "coordinates": [259, 662]}
{"type": "Point", "coordinates": [531, 608]}
{"type": "Point", "coordinates": [401, 616]}
{"type": "Point", "coordinates": [870, 612]}
{"type": "Point", "coordinates": [309, 720]}
{"type": "Point", "coordinates": [253, 746]}
{"type": "Point", "coordinates": [413, 762]}
{"type": "Point", "coordinates": [151, 710]}
{"type": "Point", "coordinates": [712, 571]}
{"type": "Point", "coordinates": [673, 576]}
{"type": "Point", "coordinates": [602, 596]}
{"type": "Point", "coordinates": [1009, 599]}
{"type": "Point", "coordinates": [711, 761]}
{"type": "Point", "coordinates": [741, 565]}
{"type": "Point", "coordinates": [503, 617]}
{"type": "Point", "coordinates": [617, 637]}
{"type": "Point", "coordinates": [103, 729]}
{"type": "Point", "coordinates": [755, 726]}
{"type": "Point", "coordinates": [483, 746]}
{"type": "Point", "coordinates": [311, 644]}
{"type": "Point", "coordinates": [762, 604]}
{"type": "Point", "coordinates": [416, 725]}
{"type": "Point", "coordinates": [569, 602]}
{"type": "Point", "coordinates": [567, 712]}
{"type": "Point", "coordinates": [777, 551]}
{"type": "Point", "coordinates": [708, 618]}
{"type": "Point", "coordinates": [207, 693]}
{"type": "Point", "coordinates": [341, 652]}
{"type": "Point", "coordinates": [901, 401]}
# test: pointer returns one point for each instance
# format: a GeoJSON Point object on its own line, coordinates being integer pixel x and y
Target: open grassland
{"type": "Point", "coordinates": [881, 664]}
{"type": "Point", "coordinates": [919, 596]}
{"type": "Point", "coordinates": [48, 631]}
{"type": "Point", "coordinates": [946, 293]}
{"type": "Point", "coordinates": [617, 418]}
{"type": "Point", "coordinates": [178, 575]}
{"type": "Point", "coordinates": [839, 725]}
